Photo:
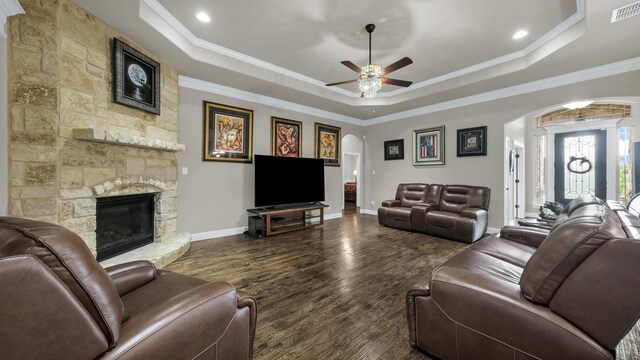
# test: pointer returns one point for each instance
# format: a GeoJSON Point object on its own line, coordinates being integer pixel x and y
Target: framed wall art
{"type": "Point", "coordinates": [136, 78]}
{"type": "Point", "coordinates": [394, 149]}
{"type": "Point", "coordinates": [472, 141]}
{"type": "Point", "coordinates": [428, 146]}
{"type": "Point", "coordinates": [228, 133]}
{"type": "Point", "coordinates": [286, 137]}
{"type": "Point", "coordinates": [327, 145]}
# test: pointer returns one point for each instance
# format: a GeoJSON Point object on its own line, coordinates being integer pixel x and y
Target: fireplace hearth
{"type": "Point", "coordinates": [123, 223]}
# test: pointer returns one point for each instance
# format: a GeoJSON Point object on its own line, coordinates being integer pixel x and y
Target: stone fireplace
{"type": "Point", "coordinates": [70, 144]}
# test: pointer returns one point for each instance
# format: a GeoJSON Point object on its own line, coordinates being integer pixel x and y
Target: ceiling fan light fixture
{"type": "Point", "coordinates": [370, 81]}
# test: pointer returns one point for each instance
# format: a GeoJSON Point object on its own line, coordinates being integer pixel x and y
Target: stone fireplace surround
{"type": "Point", "coordinates": [70, 144]}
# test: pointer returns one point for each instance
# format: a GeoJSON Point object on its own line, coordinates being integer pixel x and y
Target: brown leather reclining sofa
{"type": "Point", "coordinates": [569, 293]}
{"type": "Point", "coordinates": [456, 212]}
{"type": "Point", "coordinates": [57, 302]}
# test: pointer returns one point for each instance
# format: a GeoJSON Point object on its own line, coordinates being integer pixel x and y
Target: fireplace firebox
{"type": "Point", "coordinates": [123, 223]}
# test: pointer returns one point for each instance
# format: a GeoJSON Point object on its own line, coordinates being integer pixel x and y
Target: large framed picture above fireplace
{"type": "Point", "coordinates": [136, 78]}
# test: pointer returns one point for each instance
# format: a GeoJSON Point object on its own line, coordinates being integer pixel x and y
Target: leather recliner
{"type": "Point", "coordinates": [525, 293]}
{"type": "Point", "coordinates": [57, 302]}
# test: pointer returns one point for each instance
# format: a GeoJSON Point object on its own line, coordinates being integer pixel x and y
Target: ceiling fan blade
{"type": "Point", "coordinates": [397, 82]}
{"type": "Point", "coordinates": [342, 82]}
{"type": "Point", "coordinates": [397, 65]}
{"type": "Point", "coordinates": [351, 66]}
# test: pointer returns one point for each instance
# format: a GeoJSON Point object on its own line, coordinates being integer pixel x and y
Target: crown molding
{"type": "Point", "coordinates": [597, 72]}
{"type": "Point", "coordinates": [217, 89]}
{"type": "Point", "coordinates": [173, 22]}
{"type": "Point", "coordinates": [8, 8]}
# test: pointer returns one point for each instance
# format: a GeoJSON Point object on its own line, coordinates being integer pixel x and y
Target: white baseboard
{"type": "Point", "coordinates": [216, 234]}
{"type": "Point", "coordinates": [369, 212]}
{"type": "Point", "coordinates": [333, 216]}
{"type": "Point", "coordinates": [492, 230]}
{"type": "Point", "coordinates": [239, 230]}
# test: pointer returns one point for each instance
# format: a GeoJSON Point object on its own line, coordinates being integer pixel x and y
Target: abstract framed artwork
{"type": "Point", "coordinates": [428, 146]}
{"type": "Point", "coordinates": [327, 144]}
{"type": "Point", "coordinates": [228, 133]}
{"type": "Point", "coordinates": [394, 149]}
{"type": "Point", "coordinates": [136, 78]}
{"type": "Point", "coordinates": [286, 137]}
{"type": "Point", "coordinates": [472, 141]}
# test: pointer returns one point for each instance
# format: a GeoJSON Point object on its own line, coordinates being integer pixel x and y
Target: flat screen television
{"type": "Point", "coordinates": [286, 180]}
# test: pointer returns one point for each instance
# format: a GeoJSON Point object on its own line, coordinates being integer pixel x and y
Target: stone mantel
{"type": "Point", "coordinates": [113, 137]}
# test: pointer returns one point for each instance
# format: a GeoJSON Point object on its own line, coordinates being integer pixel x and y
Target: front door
{"type": "Point", "coordinates": [578, 145]}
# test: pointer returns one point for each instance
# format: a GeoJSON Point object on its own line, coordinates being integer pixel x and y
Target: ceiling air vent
{"type": "Point", "coordinates": [625, 12]}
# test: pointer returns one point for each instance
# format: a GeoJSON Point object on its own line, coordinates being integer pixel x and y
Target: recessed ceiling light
{"type": "Point", "coordinates": [577, 105]}
{"type": "Point", "coordinates": [520, 34]}
{"type": "Point", "coordinates": [202, 16]}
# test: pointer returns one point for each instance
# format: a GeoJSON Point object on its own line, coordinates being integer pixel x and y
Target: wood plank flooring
{"type": "Point", "coordinates": [336, 292]}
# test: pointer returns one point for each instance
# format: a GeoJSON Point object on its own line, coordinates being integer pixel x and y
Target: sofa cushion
{"type": "Point", "coordinates": [586, 229]}
{"type": "Point", "coordinates": [443, 219]}
{"type": "Point", "coordinates": [454, 198]}
{"type": "Point", "coordinates": [412, 194]}
{"type": "Point", "coordinates": [506, 250]}
{"type": "Point", "coordinates": [66, 254]}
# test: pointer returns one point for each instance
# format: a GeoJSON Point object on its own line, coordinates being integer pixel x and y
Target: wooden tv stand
{"type": "Point", "coordinates": [280, 220]}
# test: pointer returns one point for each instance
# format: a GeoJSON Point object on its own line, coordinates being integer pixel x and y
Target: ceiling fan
{"type": "Point", "coordinates": [371, 76]}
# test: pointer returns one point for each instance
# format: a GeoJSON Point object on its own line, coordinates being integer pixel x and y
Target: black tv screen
{"type": "Point", "coordinates": [286, 180]}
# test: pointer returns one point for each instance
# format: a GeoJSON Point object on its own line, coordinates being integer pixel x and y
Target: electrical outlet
{"type": "Point", "coordinates": [373, 172]}
{"type": "Point", "coordinates": [373, 204]}
{"type": "Point", "coordinates": [185, 171]}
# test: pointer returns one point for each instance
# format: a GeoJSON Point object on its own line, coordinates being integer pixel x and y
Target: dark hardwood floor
{"type": "Point", "coordinates": [335, 292]}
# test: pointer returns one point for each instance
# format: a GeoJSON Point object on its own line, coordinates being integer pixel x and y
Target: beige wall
{"type": "Point", "coordinates": [215, 195]}
{"type": "Point", "coordinates": [4, 128]}
{"type": "Point", "coordinates": [481, 170]}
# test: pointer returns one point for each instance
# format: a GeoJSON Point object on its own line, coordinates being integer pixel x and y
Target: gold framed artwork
{"type": "Point", "coordinates": [286, 137]}
{"type": "Point", "coordinates": [228, 133]}
{"type": "Point", "coordinates": [428, 146]}
{"type": "Point", "coordinates": [327, 144]}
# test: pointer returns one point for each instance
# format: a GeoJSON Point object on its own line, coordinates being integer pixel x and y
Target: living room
{"type": "Point", "coordinates": [73, 140]}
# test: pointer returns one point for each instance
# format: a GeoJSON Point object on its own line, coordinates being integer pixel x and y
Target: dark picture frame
{"type": "Point", "coordinates": [472, 141]}
{"type": "Point", "coordinates": [327, 144]}
{"type": "Point", "coordinates": [394, 149]}
{"type": "Point", "coordinates": [428, 146]}
{"type": "Point", "coordinates": [227, 133]}
{"type": "Point", "coordinates": [286, 137]}
{"type": "Point", "coordinates": [136, 78]}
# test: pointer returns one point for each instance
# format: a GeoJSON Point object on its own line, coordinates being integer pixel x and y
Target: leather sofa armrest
{"type": "Point", "coordinates": [391, 203]}
{"type": "Point", "coordinates": [247, 301]}
{"type": "Point", "coordinates": [132, 275]}
{"type": "Point", "coordinates": [421, 290]}
{"type": "Point", "coordinates": [474, 213]}
{"type": "Point", "coordinates": [183, 327]}
{"type": "Point", "coordinates": [40, 317]}
{"type": "Point", "coordinates": [524, 235]}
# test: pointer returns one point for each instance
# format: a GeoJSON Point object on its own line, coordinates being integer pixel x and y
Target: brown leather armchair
{"type": "Point", "coordinates": [568, 293]}
{"type": "Point", "coordinates": [57, 302]}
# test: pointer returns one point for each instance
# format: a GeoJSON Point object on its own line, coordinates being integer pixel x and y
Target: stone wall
{"type": "Point", "coordinates": [60, 80]}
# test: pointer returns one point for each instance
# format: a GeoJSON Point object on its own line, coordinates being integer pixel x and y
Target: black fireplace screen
{"type": "Point", "coordinates": [123, 223]}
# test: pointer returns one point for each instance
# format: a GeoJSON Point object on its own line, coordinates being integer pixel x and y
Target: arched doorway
{"type": "Point", "coordinates": [351, 173]}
